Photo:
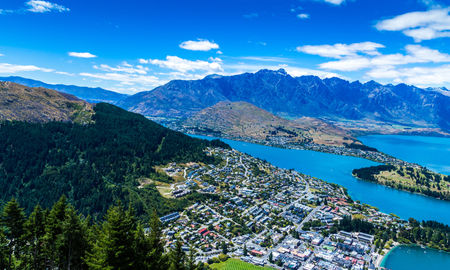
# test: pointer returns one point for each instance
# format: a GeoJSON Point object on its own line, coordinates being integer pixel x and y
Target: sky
{"type": "Point", "coordinates": [132, 46]}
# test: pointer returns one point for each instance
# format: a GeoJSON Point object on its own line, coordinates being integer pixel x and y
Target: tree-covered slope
{"type": "Point", "coordinates": [94, 164]}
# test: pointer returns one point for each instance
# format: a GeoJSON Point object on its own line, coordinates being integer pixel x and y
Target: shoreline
{"type": "Point", "coordinates": [382, 258]}
{"type": "Point", "coordinates": [379, 263]}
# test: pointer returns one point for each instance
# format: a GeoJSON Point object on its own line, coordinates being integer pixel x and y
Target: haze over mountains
{"type": "Point", "coordinates": [87, 93]}
{"type": "Point", "coordinates": [294, 97]}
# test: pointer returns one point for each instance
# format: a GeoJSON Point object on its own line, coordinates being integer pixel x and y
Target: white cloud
{"type": "Point", "coordinates": [82, 54]}
{"type": "Point", "coordinates": [176, 63]}
{"type": "Point", "coordinates": [124, 67]}
{"type": "Point", "coordinates": [2, 54]}
{"type": "Point", "coordinates": [39, 6]}
{"type": "Point", "coordinates": [342, 50]}
{"type": "Point", "coordinates": [6, 68]}
{"type": "Point", "coordinates": [233, 69]}
{"type": "Point", "coordinates": [419, 76]}
{"type": "Point", "coordinates": [266, 59]}
{"type": "Point", "coordinates": [303, 16]}
{"type": "Point", "coordinates": [125, 78]}
{"type": "Point", "coordinates": [348, 64]}
{"type": "Point", "coordinates": [420, 25]}
{"type": "Point", "coordinates": [415, 54]}
{"type": "Point", "coordinates": [335, 2]}
{"type": "Point", "coordinates": [430, 3]}
{"type": "Point", "coordinates": [199, 45]}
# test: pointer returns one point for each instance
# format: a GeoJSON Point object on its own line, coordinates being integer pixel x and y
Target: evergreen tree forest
{"type": "Point", "coordinates": [94, 164]}
{"type": "Point", "coordinates": [61, 238]}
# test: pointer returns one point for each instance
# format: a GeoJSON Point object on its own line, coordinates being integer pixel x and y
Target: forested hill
{"type": "Point", "coordinates": [95, 164]}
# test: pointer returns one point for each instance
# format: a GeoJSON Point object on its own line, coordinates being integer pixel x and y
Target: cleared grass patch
{"type": "Point", "coordinates": [235, 264]}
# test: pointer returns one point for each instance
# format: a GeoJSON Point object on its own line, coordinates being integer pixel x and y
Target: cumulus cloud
{"type": "Point", "coordinates": [6, 68]}
{"type": "Point", "coordinates": [415, 54]}
{"type": "Point", "coordinates": [38, 6]}
{"type": "Point", "coordinates": [420, 25]}
{"type": "Point", "coordinates": [199, 45]}
{"type": "Point", "coordinates": [266, 59]}
{"type": "Point", "coordinates": [82, 54]}
{"type": "Point", "coordinates": [349, 64]}
{"type": "Point", "coordinates": [342, 50]}
{"type": "Point", "coordinates": [303, 16]}
{"type": "Point", "coordinates": [176, 63]}
{"type": "Point", "coordinates": [238, 68]}
{"type": "Point", "coordinates": [125, 79]}
{"type": "Point", "coordinates": [420, 76]}
{"type": "Point", "coordinates": [124, 67]}
{"type": "Point", "coordinates": [335, 2]}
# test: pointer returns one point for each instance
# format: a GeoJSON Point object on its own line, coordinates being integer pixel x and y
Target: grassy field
{"type": "Point", "coordinates": [235, 264]}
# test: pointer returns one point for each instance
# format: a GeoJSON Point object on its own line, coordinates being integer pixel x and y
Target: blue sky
{"type": "Point", "coordinates": [131, 46]}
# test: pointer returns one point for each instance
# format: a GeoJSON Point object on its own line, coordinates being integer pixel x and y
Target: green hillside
{"type": "Point", "coordinates": [94, 165]}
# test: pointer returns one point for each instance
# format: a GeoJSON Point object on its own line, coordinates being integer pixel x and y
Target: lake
{"type": "Point", "coordinates": [431, 152]}
{"type": "Point", "coordinates": [338, 169]}
{"type": "Point", "coordinates": [415, 257]}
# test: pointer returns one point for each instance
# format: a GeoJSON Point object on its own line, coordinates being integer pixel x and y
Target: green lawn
{"type": "Point", "coordinates": [235, 264]}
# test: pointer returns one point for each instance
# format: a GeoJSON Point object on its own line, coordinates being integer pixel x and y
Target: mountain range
{"type": "Point", "coordinates": [89, 94]}
{"type": "Point", "coordinates": [277, 92]}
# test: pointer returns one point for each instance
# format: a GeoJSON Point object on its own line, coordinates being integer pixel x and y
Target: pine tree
{"type": "Point", "coordinates": [13, 219]}
{"type": "Point", "coordinates": [74, 240]}
{"type": "Point", "coordinates": [156, 259]}
{"type": "Point", "coordinates": [3, 251]}
{"type": "Point", "coordinates": [53, 231]}
{"type": "Point", "coordinates": [35, 232]}
{"type": "Point", "coordinates": [143, 249]}
{"type": "Point", "coordinates": [114, 248]}
{"type": "Point", "coordinates": [177, 257]}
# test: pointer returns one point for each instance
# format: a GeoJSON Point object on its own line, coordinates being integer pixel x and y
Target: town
{"type": "Point", "coordinates": [270, 216]}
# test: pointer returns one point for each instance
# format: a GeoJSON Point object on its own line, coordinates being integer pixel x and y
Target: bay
{"type": "Point", "coordinates": [431, 152]}
{"type": "Point", "coordinates": [414, 257]}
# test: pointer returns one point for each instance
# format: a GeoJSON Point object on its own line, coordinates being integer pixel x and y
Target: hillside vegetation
{"type": "Point", "coordinates": [242, 120]}
{"type": "Point", "coordinates": [93, 164]}
{"type": "Point", "coordinates": [419, 180]}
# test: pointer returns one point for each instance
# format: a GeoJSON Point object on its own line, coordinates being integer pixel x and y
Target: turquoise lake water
{"type": "Point", "coordinates": [431, 152]}
{"type": "Point", "coordinates": [338, 169]}
{"type": "Point", "coordinates": [416, 258]}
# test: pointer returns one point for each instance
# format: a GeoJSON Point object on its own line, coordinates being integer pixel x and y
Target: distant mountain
{"type": "Point", "coordinates": [242, 120]}
{"type": "Point", "coordinates": [284, 95]}
{"type": "Point", "coordinates": [23, 103]}
{"type": "Point", "coordinates": [89, 94]}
